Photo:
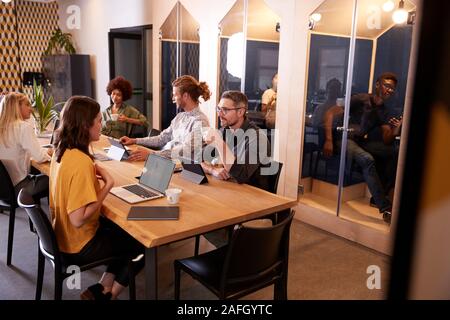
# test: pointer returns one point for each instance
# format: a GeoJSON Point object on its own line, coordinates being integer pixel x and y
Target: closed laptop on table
{"type": "Point", "coordinates": [152, 184]}
{"type": "Point", "coordinates": [153, 213]}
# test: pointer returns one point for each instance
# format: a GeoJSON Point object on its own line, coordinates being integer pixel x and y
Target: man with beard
{"type": "Point", "coordinates": [179, 135]}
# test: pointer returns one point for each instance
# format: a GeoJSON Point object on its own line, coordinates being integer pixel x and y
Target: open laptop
{"type": "Point", "coordinates": [52, 140]}
{"type": "Point", "coordinates": [153, 182]}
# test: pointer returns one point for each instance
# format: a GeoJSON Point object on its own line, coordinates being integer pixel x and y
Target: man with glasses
{"type": "Point", "coordinates": [241, 147]}
{"type": "Point", "coordinates": [370, 139]}
{"type": "Point", "coordinates": [240, 151]}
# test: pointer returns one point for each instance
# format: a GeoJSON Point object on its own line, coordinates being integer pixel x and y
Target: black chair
{"type": "Point", "coordinates": [254, 259]}
{"type": "Point", "coordinates": [48, 249]}
{"type": "Point", "coordinates": [8, 203]}
{"type": "Point", "coordinates": [154, 132]}
{"type": "Point", "coordinates": [272, 188]}
{"type": "Point", "coordinates": [137, 131]}
{"type": "Point", "coordinates": [273, 179]}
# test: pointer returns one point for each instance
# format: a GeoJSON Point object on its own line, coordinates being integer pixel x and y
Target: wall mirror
{"type": "Point", "coordinates": [249, 44]}
{"type": "Point", "coordinates": [180, 55]}
{"type": "Point", "coordinates": [351, 44]}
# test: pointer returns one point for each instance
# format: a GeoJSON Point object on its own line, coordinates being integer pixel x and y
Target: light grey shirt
{"type": "Point", "coordinates": [179, 135]}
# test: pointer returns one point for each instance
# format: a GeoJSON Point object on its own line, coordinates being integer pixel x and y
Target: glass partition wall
{"type": "Point", "coordinates": [353, 117]}
{"type": "Point", "coordinates": [248, 57]}
{"type": "Point", "coordinates": [180, 55]}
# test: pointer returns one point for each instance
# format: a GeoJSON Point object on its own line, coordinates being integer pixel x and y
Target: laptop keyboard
{"type": "Point", "coordinates": [141, 192]}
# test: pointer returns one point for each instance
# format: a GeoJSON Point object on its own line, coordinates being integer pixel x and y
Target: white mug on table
{"type": "Point", "coordinates": [173, 195]}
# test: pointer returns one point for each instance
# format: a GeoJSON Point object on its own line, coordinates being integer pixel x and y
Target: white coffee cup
{"type": "Point", "coordinates": [173, 195]}
{"type": "Point", "coordinates": [114, 116]}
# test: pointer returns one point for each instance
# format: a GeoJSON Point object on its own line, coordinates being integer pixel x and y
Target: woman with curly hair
{"type": "Point", "coordinates": [119, 118]}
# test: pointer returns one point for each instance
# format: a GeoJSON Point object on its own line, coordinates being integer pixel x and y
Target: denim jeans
{"type": "Point", "coordinates": [367, 162]}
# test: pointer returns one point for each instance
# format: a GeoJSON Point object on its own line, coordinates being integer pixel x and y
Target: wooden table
{"type": "Point", "coordinates": [203, 208]}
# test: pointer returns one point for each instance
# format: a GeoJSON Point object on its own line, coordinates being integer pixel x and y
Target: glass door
{"type": "Point", "coordinates": [329, 51]}
{"type": "Point", "coordinates": [374, 110]}
{"type": "Point", "coordinates": [130, 53]}
{"type": "Point", "coordinates": [359, 55]}
{"type": "Point", "coordinates": [248, 62]}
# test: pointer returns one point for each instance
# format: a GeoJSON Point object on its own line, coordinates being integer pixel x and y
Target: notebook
{"type": "Point", "coordinates": [153, 182]}
{"type": "Point", "coordinates": [153, 213]}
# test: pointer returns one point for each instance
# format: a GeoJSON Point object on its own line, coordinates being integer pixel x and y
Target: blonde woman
{"type": "Point", "coordinates": [18, 144]}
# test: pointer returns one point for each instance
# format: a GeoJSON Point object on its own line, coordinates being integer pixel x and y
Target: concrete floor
{"type": "Point", "coordinates": [321, 266]}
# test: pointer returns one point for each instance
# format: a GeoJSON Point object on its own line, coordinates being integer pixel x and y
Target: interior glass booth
{"type": "Point", "coordinates": [351, 112]}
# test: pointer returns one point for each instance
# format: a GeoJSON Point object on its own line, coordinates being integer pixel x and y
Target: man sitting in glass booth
{"type": "Point", "coordinates": [370, 139]}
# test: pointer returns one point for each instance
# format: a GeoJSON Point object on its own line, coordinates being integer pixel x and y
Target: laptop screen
{"type": "Point", "coordinates": [52, 140]}
{"type": "Point", "coordinates": [157, 172]}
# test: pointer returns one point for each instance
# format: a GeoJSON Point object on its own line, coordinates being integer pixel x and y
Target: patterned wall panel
{"type": "Point", "coordinates": [9, 61]}
{"type": "Point", "coordinates": [36, 22]}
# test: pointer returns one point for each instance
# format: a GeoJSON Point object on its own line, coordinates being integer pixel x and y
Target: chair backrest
{"type": "Point", "coordinates": [273, 179]}
{"type": "Point", "coordinates": [45, 232]}
{"type": "Point", "coordinates": [7, 192]}
{"type": "Point", "coordinates": [257, 252]}
{"type": "Point", "coordinates": [154, 132]}
{"type": "Point", "coordinates": [137, 131]}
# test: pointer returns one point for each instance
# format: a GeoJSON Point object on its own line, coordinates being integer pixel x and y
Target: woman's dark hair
{"type": "Point", "coordinates": [77, 117]}
{"type": "Point", "coordinates": [194, 88]}
{"type": "Point", "coordinates": [121, 84]}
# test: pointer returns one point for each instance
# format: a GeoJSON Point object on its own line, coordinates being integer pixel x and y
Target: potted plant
{"type": "Point", "coordinates": [60, 42]}
{"type": "Point", "coordinates": [43, 112]}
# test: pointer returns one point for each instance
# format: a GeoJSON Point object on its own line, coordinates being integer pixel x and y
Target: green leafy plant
{"type": "Point", "coordinates": [59, 43]}
{"type": "Point", "coordinates": [43, 112]}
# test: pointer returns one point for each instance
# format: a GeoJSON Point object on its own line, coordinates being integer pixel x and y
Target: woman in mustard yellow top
{"type": "Point", "coordinates": [78, 187]}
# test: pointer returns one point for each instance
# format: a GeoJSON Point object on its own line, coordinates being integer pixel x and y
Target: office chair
{"type": "Point", "coordinates": [137, 131]}
{"type": "Point", "coordinates": [48, 249]}
{"type": "Point", "coordinates": [254, 259]}
{"type": "Point", "coordinates": [272, 188]}
{"type": "Point", "coordinates": [154, 132]}
{"type": "Point", "coordinates": [8, 202]}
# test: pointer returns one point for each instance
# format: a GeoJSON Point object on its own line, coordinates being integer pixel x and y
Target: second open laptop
{"type": "Point", "coordinates": [152, 184]}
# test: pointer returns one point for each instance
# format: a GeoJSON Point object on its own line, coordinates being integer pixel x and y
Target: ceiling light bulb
{"type": "Point", "coordinates": [388, 6]}
{"type": "Point", "coordinates": [6, 1]}
{"type": "Point", "coordinates": [400, 16]}
{"type": "Point", "coordinates": [316, 17]}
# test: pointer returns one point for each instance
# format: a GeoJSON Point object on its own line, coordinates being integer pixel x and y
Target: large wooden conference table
{"type": "Point", "coordinates": [203, 208]}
